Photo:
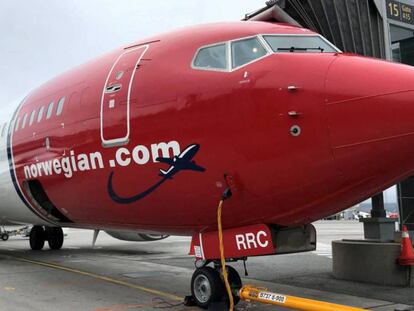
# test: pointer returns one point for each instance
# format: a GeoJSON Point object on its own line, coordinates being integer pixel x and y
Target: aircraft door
{"type": "Point", "coordinates": [115, 102]}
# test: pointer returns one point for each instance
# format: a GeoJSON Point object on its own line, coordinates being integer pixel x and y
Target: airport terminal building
{"type": "Point", "coordinates": [377, 28]}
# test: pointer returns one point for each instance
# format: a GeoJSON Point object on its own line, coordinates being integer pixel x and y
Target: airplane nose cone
{"type": "Point", "coordinates": [370, 114]}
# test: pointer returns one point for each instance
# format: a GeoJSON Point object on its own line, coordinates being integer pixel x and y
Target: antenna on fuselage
{"type": "Point", "coordinates": [95, 236]}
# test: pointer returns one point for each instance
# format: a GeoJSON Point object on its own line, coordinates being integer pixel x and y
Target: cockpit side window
{"type": "Point", "coordinates": [246, 51]}
{"type": "Point", "coordinates": [298, 44]}
{"type": "Point", "coordinates": [212, 57]}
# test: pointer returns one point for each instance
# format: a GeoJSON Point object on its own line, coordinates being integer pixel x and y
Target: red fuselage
{"type": "Point", "coordinates": [143, 108]}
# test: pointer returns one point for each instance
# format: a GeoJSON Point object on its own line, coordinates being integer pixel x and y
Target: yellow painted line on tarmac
{"type": "Point", "coordinates": [102, 278]}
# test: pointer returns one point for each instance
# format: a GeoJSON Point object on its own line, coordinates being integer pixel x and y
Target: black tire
{"type": "Point", "coordinates": [235, 283]}
{"type": "Point", "coordinates": [55, 237]}
{"type": "Point", "coordinates": [37, 238]}
{"type": "Point", "coordinates": [206, 287]}
{"type": "Point", "coordinates": [4, 236]}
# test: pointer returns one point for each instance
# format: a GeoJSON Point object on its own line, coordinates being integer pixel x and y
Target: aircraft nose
{"type": "Point", "coordinates": [370, 111]}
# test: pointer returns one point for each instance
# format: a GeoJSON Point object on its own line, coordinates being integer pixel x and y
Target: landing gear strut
{"type": "Point", "coordinates": [39, 234]}
{"type": "Point", "coordinates": [207, 286]}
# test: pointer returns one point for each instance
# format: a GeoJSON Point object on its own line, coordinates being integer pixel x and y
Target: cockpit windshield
{"type": "Point", "coordinates": [246, 51]}
{"type": "Point", "coordinates": [298, 44]}
{"type": "Point", "coordinates": [234, 54]}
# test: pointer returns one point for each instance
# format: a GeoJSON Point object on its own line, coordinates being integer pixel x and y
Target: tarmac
{"type": "Point", "coordinates": [123, 276]}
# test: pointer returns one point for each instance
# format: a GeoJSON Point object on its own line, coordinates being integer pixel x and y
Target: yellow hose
{"type": "Point", "coordinates": [222, 258]}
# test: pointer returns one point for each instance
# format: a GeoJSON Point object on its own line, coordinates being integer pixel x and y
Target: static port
{"type": "Point", "coordinates": [295, 130]}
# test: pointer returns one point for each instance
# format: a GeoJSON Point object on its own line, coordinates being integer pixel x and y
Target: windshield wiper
{"type": "Point", "coordinates": [294, 48]}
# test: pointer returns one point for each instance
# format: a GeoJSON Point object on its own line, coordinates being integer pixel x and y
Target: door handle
{"type": "Point", "coordinates": [113, 88]}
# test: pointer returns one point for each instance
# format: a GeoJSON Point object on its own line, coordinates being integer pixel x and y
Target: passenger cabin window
{"type": "Point", "coordinates": [40, 114]}
{"type": "Point", "coordinates": [24, 120]}
{"type": "Point", "coordinates": [246, 51]}
{"type": "Point", "coordinates": [299, 44]}
{"type": "Point", "coordinates": [60, 106]}
{"type": "Point", "coordinates": [17, 124]}
{"type": "Point", "coordinates": [49, 110]}
{"type": "Point", "coordinates": [212, 57]}
{"type": "Point", "coordinates": [32, 115]}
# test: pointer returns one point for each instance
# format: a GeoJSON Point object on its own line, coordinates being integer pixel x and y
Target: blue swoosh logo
{"type": "Point", "coordinates": [184, 161]}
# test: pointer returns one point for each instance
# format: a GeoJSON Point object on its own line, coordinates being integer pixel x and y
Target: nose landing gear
{"type": "Point", "coordinates": [39, 234]}
{"type": "Point", "coordinates": [207, 286]}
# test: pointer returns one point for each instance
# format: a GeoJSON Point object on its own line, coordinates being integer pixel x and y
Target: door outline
{"type": "Point", "coordinates": [121, 140]}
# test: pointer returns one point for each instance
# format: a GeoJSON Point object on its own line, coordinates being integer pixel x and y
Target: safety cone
{"type": "Point", "coordinates": [407, 252]}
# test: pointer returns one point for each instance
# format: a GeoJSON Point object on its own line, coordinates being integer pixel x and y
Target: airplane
{"type": "Point", "coordinates": [181, 162]}
{"type": "Point", "coordinates": [296, 129]}
{"type": "Point", "coordinates": [177, 163]}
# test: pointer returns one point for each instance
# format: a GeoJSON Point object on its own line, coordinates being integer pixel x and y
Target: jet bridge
{"type": "Point", "coordinates": [352, 25]}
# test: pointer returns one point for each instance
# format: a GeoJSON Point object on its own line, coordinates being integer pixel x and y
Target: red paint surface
{"type": "Point", "coordinates": [241, 242]}
{"type": "Point", "coordinates": [356, 117]}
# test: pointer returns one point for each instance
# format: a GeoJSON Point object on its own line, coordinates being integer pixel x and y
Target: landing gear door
{"type": "Point", "coordinates": [115, 102]}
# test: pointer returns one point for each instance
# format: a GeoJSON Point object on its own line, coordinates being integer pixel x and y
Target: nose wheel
{"type": "Point", "coordinates": [207, 286]}
{"type": "Point", "coordinates": [235, 283]}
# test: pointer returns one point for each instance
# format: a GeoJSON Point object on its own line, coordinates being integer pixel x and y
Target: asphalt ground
{"type": "Point", "coordinates": [118, 275]}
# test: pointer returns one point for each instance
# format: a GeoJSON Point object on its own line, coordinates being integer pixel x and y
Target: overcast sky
{"type": "Point", "coordinates": [43, 38]}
